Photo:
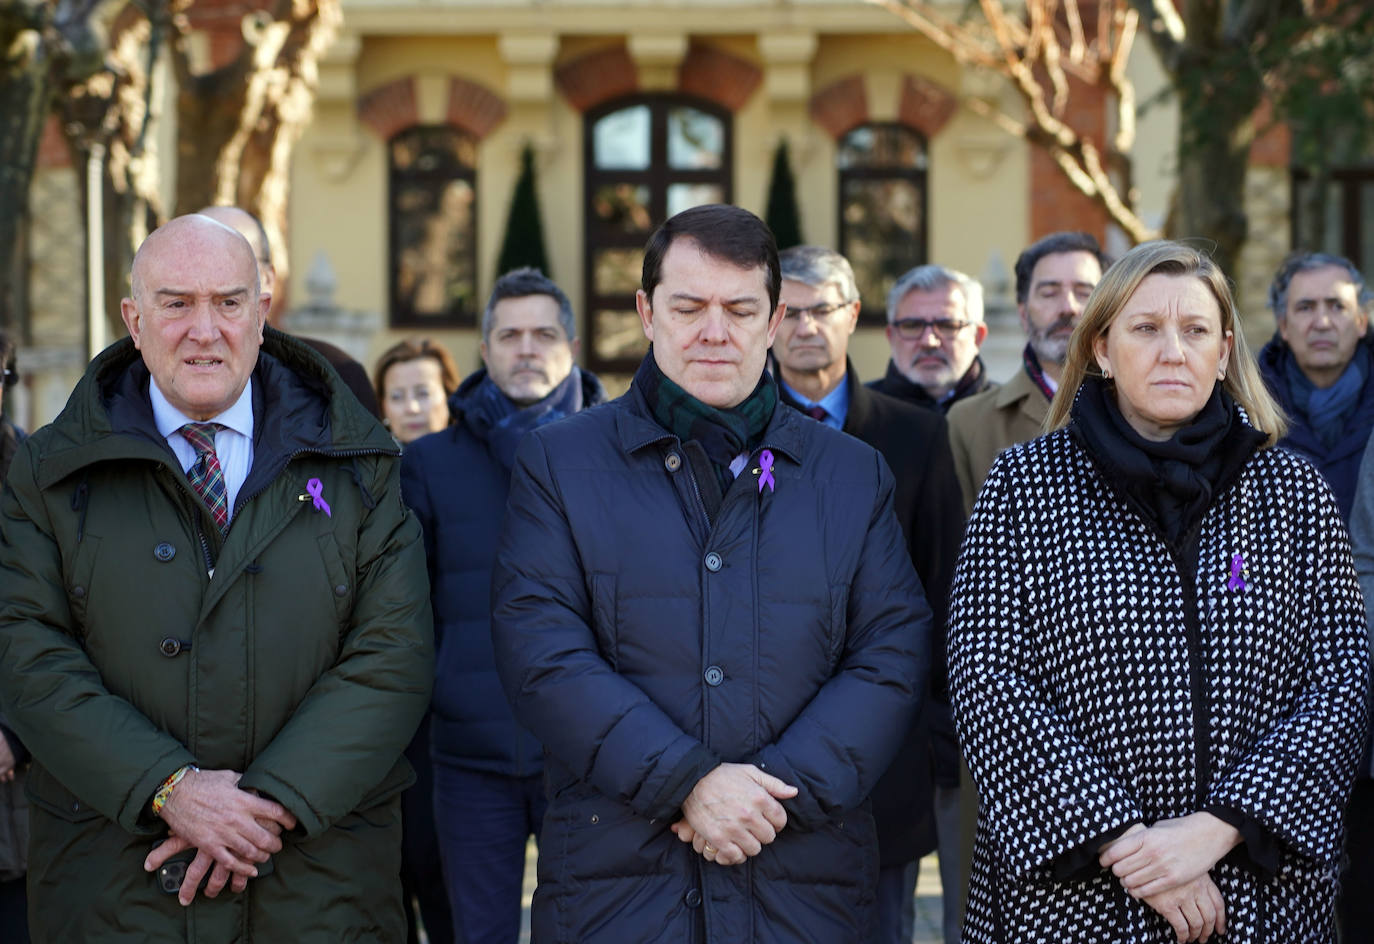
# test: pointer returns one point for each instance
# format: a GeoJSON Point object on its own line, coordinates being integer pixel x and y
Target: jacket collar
{"type": "Point", "coordinates": [637, 429]}
{"type": "Point", "coordinates": [1022, 387]}
{"type": "Point", "coordinates": [297, 407]}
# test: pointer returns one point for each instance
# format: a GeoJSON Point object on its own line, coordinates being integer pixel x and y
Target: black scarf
{"type": "Point", "coordinates": [1172, 482]}
{"type": "Point", "coordinates": [493, 416]}
{"type": "Point", "coordinates": [722, 434]}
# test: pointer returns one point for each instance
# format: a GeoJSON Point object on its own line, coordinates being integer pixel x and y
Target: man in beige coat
{"type": "Point", "coordinates": [1054, 278]}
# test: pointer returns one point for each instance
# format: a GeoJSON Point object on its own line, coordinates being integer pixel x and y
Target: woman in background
{"type": "Point", "coordinates": [1157, 643]}
{"type": "Point", "coordinates": [414, 380]}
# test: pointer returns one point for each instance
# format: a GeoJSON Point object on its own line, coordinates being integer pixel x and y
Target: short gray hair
{"type": "Point", "coordinates": [928, 278]}
{"type": "Point", "coordinates": [519, 283]}
{"type": "Point", "coordinates": [1303, 261]}
{"type": "Point", "coordinates": [816, 266]}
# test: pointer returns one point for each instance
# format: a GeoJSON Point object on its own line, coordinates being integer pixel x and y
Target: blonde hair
{"type": "Point", "coordinates": [1119, 283]}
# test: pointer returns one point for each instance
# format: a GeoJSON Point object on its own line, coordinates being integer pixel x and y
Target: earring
{"type": "Point", "coordinates": [1106, 373]}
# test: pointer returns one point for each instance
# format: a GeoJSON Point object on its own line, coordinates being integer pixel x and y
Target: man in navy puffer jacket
{"type": "Point", "coordinates": [705, 609]}
{"type": "Point", "coordinates": [488, 783]}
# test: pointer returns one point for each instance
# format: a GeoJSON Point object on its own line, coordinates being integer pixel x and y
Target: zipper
{"type": "Point", "coordinates": [330, 453]}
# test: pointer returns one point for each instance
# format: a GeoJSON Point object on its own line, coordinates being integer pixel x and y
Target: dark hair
{"type": "Point", "coordinates": [1051, 245]}
{"type": "Point", "coordinates": [724, 232]}
{"type": "Point", "coordinates": [413, 349]}
{"type": "Point", "coordinates": [519, 283]}
{"type": "Point", "coordinates": [1303, 261]}
{"type": "Point", "coordinates": [7, 353]}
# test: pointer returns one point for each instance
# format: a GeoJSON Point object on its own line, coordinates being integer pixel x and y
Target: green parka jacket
{"type": "Point", "coordinates": [133, 640]}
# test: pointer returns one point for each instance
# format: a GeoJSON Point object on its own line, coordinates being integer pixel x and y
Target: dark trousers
{"type": "Point", "coordinates": [484, 822]}
{"type": "Point", "coordinates": [1355, 906]}
{"type": "Point", "coordinates": [14, 912]}
{"type": "Point", "coordinates": [422, 874]}
{"type": "Point", "coordinates": [897, 903]}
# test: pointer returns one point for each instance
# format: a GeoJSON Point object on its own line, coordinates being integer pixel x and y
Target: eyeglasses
{"type": "Point", "coordinates": [818, 312]}
{"type": "Point", "coordinates": [913, 329]}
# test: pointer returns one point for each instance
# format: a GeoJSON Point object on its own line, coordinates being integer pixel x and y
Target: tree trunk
{"type": "Point", "coordinates": [1216, 129]}
{"type": "Point", "coordinates": [25, 90]}
{"type": "Point", "coordinates": [237, 126]}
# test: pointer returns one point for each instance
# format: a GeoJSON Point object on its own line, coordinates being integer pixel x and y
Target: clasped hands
{"type": "Point", "coordinates": [733, 812]}
{"type": "Point", "coordinates": [1166, 866]}
{"type": "Point", "coordinates": [231, 830]}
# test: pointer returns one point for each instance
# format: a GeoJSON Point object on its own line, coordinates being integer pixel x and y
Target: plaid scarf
{"type": "Point", "coordinates": [722, 434]}
{"type": "Point", "coordinates": [1036, 372]}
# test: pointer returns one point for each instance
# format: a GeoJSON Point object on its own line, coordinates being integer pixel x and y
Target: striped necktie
{"type": "Point", "coordinates": [205, 474]}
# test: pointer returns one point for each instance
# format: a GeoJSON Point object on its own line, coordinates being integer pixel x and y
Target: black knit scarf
{"type": "Point", "coordinates": [1174, 481]}
{"type": "Point", "coordinates": [722, 433]}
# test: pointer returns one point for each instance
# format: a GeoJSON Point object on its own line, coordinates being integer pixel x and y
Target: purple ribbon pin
{"type": "Point", "coordinates": [766, 471]}
{"type": "Point", "coordinates": [316, 489]}
{"type": "Point", "coordinates": [1237, 582]}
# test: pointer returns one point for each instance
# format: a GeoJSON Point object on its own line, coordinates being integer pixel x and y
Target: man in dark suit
{"type": "Point", "coordinates": [815, 376]}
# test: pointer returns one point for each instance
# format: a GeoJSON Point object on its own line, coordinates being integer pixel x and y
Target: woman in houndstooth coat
{"type": "Point", "coordinates": [1157, 646]}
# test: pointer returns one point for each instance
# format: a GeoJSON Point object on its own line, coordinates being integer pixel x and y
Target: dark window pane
{"type": "Point", "coordinates": [618, 335]}
{"type": "Point", "coordinates": [882, 229]}
{"type": "Point", "coordinates": [433, 226]}
{"type": "Point", "coordinates": [618, 271]}
{"type": "Point", "coordinates": [881, 146]}
{"type": "Point", "coordinates": [621, 139]}
{"type": "Point", "coordinates": [623, 208]}
{"type": "Point", "coordinates": [685, 196]}
{"type": "Point", "coordinates": [696, 140]}
{"type": "Point", "coordinates": [434, 249]}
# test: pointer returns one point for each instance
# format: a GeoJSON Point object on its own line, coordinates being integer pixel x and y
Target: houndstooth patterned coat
{"type": "Point", "coordinates": [1081, 706]}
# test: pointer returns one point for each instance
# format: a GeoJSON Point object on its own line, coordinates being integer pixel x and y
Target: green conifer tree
{"type": "Point", "coordinates": [783, 217]}
{"type": "Point", "coordinates": [524, 242]}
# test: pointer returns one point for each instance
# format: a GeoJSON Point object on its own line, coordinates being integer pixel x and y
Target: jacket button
{"type": "Point", "coordinates": [692, 899]}
{"type": "Point", "coordinates": [713, 562]}
{"type": "Point", "coordinates": [170, 646]}
{"type": "Point", "coordinates": [76, 806]}
{"type": "Point", "coordinates": [713, 675]}
{"type": "Point", "coordinates": [78, 592]}
{"type": "Point", "coordinates": [672, 462]}
{"type": "Point", "coordinates": [164, 552]}
{"type": "Point", "coordinates": [341, 590]}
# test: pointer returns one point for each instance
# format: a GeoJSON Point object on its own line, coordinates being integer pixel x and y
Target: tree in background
{"type": "Point", "coordinates": [1308, 60]}
{"type": "Point", "coordinates": [92, 63]}
{"type": "Point", "coordinates": [524, 241]}
{"type": "Point", "coordinates": [783, 216]}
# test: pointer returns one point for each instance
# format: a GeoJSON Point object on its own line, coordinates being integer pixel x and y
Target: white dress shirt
{"type": "Point", "coordinates": [233, 444]}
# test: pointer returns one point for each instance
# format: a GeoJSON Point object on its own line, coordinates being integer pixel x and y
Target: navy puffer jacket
{"type": "Point", "coordinates": [457, 489]}
{"type": "Point", "coordinates": [636, 636]}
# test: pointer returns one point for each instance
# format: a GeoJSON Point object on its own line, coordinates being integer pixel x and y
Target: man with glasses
{"type": "Point", "coordinates": [816, 377]}
{"type": "Point", "coordinates": [935, 328]}
{"type": "Point", "coordinates": [1054, 278]}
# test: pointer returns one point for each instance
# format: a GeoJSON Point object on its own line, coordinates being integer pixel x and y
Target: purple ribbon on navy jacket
{"type": "Point", "coordinates": [766, 471]}
{"type": "Point", "coordinates": [316, 489]}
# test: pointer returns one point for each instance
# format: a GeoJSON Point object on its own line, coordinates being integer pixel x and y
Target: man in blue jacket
{"type": "Point", "coordinates": [705, 609]}
{"type": "Point", "coordinates": [1319, 362]}
{"type": "Point", "coordinates": [488, 772]}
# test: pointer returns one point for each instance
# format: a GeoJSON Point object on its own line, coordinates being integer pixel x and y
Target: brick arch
{"type": "Point", "coordinates": [841, 106]}
{"type": "Point", "coordinates": [471, 107]}
{"type": "Point", "coordinates": [713, 74]}
{"type": "Point", "coordinates": [925, 105]}
{"type": "Point", "coordinates": [597, 77]}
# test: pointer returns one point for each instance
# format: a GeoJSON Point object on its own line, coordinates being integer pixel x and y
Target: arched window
{"type": "Point", "coordinates": [647, 158]}
{"type": "Point", "coordinates": [882, 209]}
{"type": "Point", "coordinates": [433, 212]}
